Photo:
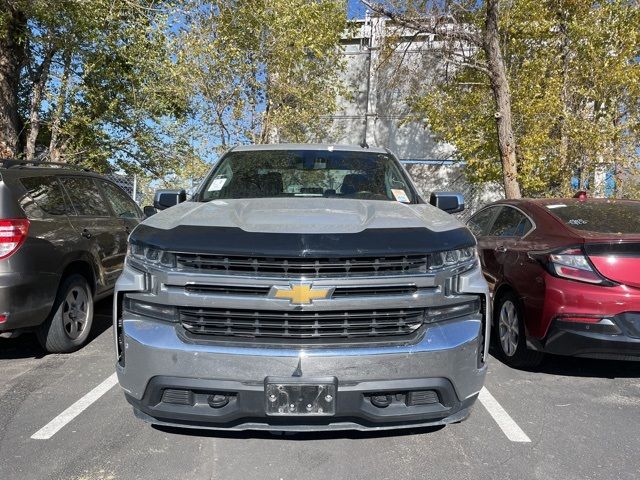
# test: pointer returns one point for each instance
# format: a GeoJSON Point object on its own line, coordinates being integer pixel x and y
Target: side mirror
{"type": "Point", "coordinates": [450, 202]}
{"type": "Point", "coordinates": [149, 210]}
{"type": "Point", "coordinates": [168, 198]}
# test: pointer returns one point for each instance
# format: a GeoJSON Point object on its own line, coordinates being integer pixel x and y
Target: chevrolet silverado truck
{"type": "Point", "coordinates": [303, 287]}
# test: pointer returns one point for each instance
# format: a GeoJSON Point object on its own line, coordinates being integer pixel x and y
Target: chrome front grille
{"type": "Point", "coordinates": [296, 267]}
{"type": "Point", "coordinates": [370, 300]}
{"type": "Point", "coordinates": [312, 325]}
{"type": "Point", "coordinates": [339, 292]}
{"type": "Point", "coordinates": [227, 289]}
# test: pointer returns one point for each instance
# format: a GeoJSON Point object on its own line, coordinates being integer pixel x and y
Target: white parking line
{"type": "Point", "coordinates": [51, 428]}
{"type": "Point", "coordinates": [499, 414]}
{"type": "Point", "coordinates": [502, 418]}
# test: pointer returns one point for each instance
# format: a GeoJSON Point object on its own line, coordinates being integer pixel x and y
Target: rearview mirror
{"type": "Point", "coordinates": [168, 198]}
{"type": "Point", "coordinates": [450, 202]}
{"type": "Point", "coordinates": [149, 210]}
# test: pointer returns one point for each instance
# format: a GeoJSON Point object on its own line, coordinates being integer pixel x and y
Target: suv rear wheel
{"type": "Point", "coordinates": [510, 336]}
{"type": "Point", "coordinates": [68, 326]}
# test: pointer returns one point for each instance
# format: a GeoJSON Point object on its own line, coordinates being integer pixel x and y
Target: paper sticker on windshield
{"type": "Point", "coordinates": [400, 195]}
{"type": "Point", "coordinates": [217, 184]}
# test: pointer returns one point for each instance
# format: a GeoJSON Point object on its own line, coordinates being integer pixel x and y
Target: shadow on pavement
{"type": "Point", "coordinates": [296, 436]}
{"type": "Point", "coordinates": [26, 345]}
{"type": "Point", "coordinates": [582, 367]}
{"type": "Point", "coordinates": [587, 367]}
{"type": "Point", "coordinates": [102, 318]}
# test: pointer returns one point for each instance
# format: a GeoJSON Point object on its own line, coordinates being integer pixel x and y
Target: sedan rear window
{"type": "Point", "coordinates": [600, 217]}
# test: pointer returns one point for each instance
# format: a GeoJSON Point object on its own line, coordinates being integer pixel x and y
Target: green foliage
{"type": "Point", "coordinates": [574, 77]}
{"type": "Point", "coordinates": [158, 87]}
{"type": "Point", "coordinates": [123, 103]}
{"type": "Point", "coordinates": [263, 71]}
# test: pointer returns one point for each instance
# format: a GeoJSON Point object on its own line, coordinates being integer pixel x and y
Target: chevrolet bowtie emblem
{"type": "Point", "coordinates": [301, 294]}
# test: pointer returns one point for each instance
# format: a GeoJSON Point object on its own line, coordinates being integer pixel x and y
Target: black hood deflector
{"type": "Point", "coordinates": [235, 241]}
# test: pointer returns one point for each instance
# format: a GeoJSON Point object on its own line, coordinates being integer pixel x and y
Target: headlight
{"type": "Point", "coordinates": [147, 255]}
{"type": "Point", "coordinates": [463, 257]}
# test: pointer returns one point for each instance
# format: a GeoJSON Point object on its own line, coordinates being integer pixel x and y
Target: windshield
{"type": "Point", "coordinates": [609, 217]}
{"type": "Point", "coordinates": [307, 173]}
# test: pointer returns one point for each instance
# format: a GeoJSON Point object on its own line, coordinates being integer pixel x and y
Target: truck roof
{"type": "Point", "coordinates": [308, 146]}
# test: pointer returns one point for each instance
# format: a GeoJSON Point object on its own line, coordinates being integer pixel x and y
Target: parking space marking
{"type": "Point", "coordinates": [51, 428]}
{"type": "Point", "coordinates": [502, 418]}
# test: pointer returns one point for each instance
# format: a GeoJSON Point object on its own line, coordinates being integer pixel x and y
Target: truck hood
{"type": "Point", "coordinates": [303, 215]}
{"type": "Point", "coordinates": [303, 227]}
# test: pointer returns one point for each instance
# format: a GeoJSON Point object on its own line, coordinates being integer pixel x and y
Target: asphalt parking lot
{"type": "Point", "coordinates": [62, 417]}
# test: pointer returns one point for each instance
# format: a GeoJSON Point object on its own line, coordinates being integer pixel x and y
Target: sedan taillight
{"type": "Point", "coordinates": [573, 264]}
{"type": "Point", "coordinates": [13, 233]}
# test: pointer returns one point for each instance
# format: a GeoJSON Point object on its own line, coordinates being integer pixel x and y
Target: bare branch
{"type": "Point", "coordinates": [441, 25]}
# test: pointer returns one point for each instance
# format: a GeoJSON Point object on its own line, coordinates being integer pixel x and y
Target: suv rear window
{"type": "Point", "coordinates": [600, 217]}
{"type": "Point", "coordinates": [121, 203]}
{"type": "Point", "coordinates": [46, 193]}
{"type": "Point", "coordinates": [85, 196]}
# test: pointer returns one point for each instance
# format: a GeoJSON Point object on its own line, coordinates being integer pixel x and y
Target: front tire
{"type": "Point", "coordinates": [510, 336]}
{"type": "Point", "coordinates": [67, 327]}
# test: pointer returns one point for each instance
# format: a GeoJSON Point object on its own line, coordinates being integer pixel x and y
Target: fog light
{"type": "Point", "coordinates": [177, 396]}
{"type": "Point", "coordinates": [218, 400]}
{"type": "Point", "coordinates": [381, 401]}
{"type": "Point", "coordinates": [422, 397]}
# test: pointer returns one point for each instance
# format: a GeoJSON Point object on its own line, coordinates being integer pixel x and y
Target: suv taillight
{"type": "Point", "coordinates": [13, 233]}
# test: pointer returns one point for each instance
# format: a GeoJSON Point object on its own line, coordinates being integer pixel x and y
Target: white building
{"type": "Point", "coordinates": [376, 112]}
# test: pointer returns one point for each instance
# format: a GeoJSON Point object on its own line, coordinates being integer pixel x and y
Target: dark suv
{"type": "Point", "coordinates": [63, 239]}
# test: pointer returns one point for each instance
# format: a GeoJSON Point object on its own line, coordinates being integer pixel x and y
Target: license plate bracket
{"type": "Point", "coordinates": [284, 397]}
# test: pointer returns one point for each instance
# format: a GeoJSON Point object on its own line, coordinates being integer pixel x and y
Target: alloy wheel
{"type": "Point", "coordinates": [508, 328]}
{"type": "Point", "coordinates": [74, 312]}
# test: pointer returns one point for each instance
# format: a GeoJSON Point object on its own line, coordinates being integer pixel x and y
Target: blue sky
{"type": "Point", "coordinates": [355, 9]}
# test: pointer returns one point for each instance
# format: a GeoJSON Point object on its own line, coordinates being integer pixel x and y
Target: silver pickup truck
{"type": "Point", "coordinates": [304, 287]}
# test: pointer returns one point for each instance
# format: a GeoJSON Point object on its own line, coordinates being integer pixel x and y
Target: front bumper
{"type": "Point", "coordinates": [246, 408]}
{"type": "Point", "coordinates": [446, 360]}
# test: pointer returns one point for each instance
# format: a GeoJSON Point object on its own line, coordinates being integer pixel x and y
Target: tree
{"type": "Point", "coordinates": [12, 53]}
{"type": "Point", "coordinates": [469, 37]}
{"type": "Point", "coordinates": [573, 73]}
{"type": "Point", "coordinates": [93, 82]}
{"type": "Point", "coordinates": [262, 72]}
{"type": "Point", "coordinates": [156, 86]}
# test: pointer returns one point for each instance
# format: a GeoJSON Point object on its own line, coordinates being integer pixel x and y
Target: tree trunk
{"type": "Point", "coordinates": [39, 82]}
{"type": "Point", "coordinates": [502, 96]}
{"type": "Point", "coordinates": [54, 151]}
{"type": "Point", "coordinates": [11, 58]}
{"type": "Point", "coordinates": [567, 167]}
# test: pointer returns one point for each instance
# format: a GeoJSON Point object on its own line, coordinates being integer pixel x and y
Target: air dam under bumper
{"type": "Point", "coordinates": [615, 338]}
{"type": "Point", "coordinates": [445, 360]}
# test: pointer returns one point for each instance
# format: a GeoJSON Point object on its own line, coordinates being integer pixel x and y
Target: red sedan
{"type": "Point", "coordinates": [565, 277]}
